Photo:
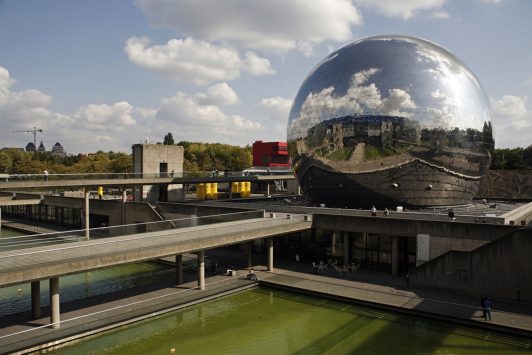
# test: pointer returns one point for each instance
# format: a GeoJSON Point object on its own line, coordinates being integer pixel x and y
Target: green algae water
{"type": "Point", "coordinates": [265, 321]}
{"type": "Point", "coordinates": [15, 299]}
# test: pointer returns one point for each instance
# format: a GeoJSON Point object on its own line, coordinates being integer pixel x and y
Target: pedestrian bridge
{"type": "Point", "coordinates": [52, 261]}
{"type": "Point", "coordinates": [57, 181]}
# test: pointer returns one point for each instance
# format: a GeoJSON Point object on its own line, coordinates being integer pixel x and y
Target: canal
{"type": "Point", "coordinates": [15, 299]}
{"type": "Point", "coordinates": [266, 321]}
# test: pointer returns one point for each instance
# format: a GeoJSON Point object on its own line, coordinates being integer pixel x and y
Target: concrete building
{"type": "Point", "coordinates": [158, 160]}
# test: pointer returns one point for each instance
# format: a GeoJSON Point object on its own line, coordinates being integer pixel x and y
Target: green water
{"type": "Point", "coordinates": [15, 299]}
{"type": "Point", "coordinates": [262, 321]}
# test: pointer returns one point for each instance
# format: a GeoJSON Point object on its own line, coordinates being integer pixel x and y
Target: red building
{"type": "Point", "coordinates": [270, 154]}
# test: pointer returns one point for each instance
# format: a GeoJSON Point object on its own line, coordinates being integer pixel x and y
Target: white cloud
{"type": "Point", "coordinates": [185, 59]}
{"type": "Point", "coordinates": [404, 9]}
{"type": "Point", "coordinates": [306, 48]}
{"type": "Point", "coordinates": [116, 126]}
{"type": "Point", "coordinates": [204, 122]}
{"type": "Point", "coordinates": [274, 24]}
{"type": "Point", "coordinates": [192, 61]}
{"type": "Point", "coordinates": [440, 15]}
{"type": "Point", "coordinates": [276, 107]}
{"type": "Point", "coordinates": [256, 65]}
{"type": "Point", "coordinates": [218, 94]}
{"type": "Point", "coordinates": [116, 117]}
{"type": "Point", "coordinates": [512, 121]}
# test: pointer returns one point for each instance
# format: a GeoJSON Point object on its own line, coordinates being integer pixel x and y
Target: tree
{"type": "Point", "coordinates": [527, 156]}
{"type": "Point", "coordinates": [169, 139]}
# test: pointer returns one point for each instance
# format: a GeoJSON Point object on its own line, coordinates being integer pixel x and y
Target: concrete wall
{"type": "Point", "coordinates": [498, 269]}
{"type": "Point", "coordinates": [147, 159]}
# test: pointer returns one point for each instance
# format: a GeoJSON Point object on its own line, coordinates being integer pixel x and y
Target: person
{"type": "Point", "coordinates": [45, 175]}
{"type": "Point", "coordinates": [251, 276]}
{"type": "Point", "coordinates": [172, 173]}
{"type": "Point", "coordinates": [451, 215]}
{"type": "Point", "coordinates": [486, 308]}
{"type": "Point", "coordinates": [373, 211]}
{"type": "Point", "coordinates": [386, 212]}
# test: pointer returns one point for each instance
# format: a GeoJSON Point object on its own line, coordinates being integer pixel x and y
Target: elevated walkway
{"type": "Point", "coordinates": [45, 262]}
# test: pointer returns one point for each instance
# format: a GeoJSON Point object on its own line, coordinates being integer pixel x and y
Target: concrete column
{"type": "Point", "coordinates": [267, 189]}
{"type": "Point", "coordinates": [54, 302]}
{"type": "Point", "coordinates": [201, 270]}
{"type": "Point", "coordinates": [345, 247]}
{"type": "Point", "coordinates": [270, 254]}
{"type": "Point", "coordinates": [333, 242]}
{"type": "Point", "coordinates": [124, 219]}
{"type": "Point", "coordinates": [395, 255]}
{"type": "Point", "coordinates": [36, 300]}
{"type": "Point", "coordinates": [179, 269]}
{"type": "Point", "coordinates": [86, 214]}
{"type": "Point", "coordinates": [249, 249]}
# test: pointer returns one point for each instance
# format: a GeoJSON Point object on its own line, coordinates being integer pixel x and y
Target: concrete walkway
{"type": "Point", "coordinates": [460, 308]}
{"type": "Point", "coordinates": [95, 314]}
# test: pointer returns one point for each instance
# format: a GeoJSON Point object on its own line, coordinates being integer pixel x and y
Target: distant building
{"type": "Point", "coordinates": [41, 148]}
{"type": "Point", "coordinates": [30, 147]}
{"type": "Point", "coordinates": [58, 150]}
{"type": "Point", "coordinates": [270, 154]}
{"type": "Point", "coordinates": [158, 161]}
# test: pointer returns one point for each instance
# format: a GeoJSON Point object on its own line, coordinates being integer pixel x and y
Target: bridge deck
{"type": "Point", "coordinates": [53, 183]}
{"type": "Point", "coordinates": [52, 261]}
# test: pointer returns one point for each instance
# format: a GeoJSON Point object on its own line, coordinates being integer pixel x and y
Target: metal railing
{"type": "Point", "coordinates": [13, 260]}
{"type": "Point", "coordinates": [34, 240]}
{"type": "Point", "coordinates": [126, 175]}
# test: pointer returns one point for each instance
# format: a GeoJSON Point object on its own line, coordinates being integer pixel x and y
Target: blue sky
{"type": "Point", "coordinates": [104, 74]}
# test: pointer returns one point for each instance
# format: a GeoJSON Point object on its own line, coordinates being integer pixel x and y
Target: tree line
{"type": "Point", "coordinates": [198, 156]}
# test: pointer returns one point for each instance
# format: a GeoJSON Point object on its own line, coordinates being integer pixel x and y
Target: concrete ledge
{"type": "Point", "coordinates": [446, 311]}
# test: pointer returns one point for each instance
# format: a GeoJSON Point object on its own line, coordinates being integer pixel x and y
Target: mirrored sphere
{"type": "Point", "coordinates": [390, 120]}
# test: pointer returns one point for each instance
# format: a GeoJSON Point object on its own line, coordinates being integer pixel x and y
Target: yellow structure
{"type": "Point", "coordinates": [200, 191]}
{"type": "Point", "coordinates": [214, 190]}
{"type": "Point", "coordinates": [245, 188]}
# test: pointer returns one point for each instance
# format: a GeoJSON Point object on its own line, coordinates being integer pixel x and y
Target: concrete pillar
{"type": "Point", "coordinates": [345, 247]}
{"type": "Point", "coordinates": [86, 214]}
{"type": "Point", "coordinates": [54, 302]}
{"type": "Point", "coordinates": [201, 270]}
{"type": "Point", "coordinates": [249, 249]}
{"type": "Point", "coordinates": [333, 242]}
{"type": "Point", "coordinates": [35, 300]}
{"type": "Point", "coordinates": [395, 255]}
{"type": "Point", "coordinates": [267, 189]}
{"type": "Point", "coordinates": [124, 219]}
{"type": "Point", "coordinates": [270, 254]}
{"type": "Point", "coordinates": [179, 269]}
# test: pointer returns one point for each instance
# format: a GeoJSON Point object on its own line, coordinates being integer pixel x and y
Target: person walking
{"type": "Point", "coordinates": [373, 211]}
{"type": "Point", "coordinates": [486, 308]}
{"type": "Point", "coordinates": [45, 175]}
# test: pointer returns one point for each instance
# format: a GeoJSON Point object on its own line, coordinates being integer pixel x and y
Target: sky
{"type": "Point", "coordinates": [106, 74]}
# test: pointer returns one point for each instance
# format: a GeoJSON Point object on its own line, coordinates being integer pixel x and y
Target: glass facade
{"type": "Point", "coordinates": [61, 216]}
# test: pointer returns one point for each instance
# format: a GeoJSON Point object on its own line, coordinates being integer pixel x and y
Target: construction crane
{"type": "Point", "coordinates": [34, 131]}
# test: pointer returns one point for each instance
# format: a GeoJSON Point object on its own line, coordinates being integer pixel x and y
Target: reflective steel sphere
{"type": "Point", "coordinates": [390, 120]}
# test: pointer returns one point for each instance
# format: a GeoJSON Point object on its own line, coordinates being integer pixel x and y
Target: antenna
{"type": "Point", "coordinates": [34, 131]}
